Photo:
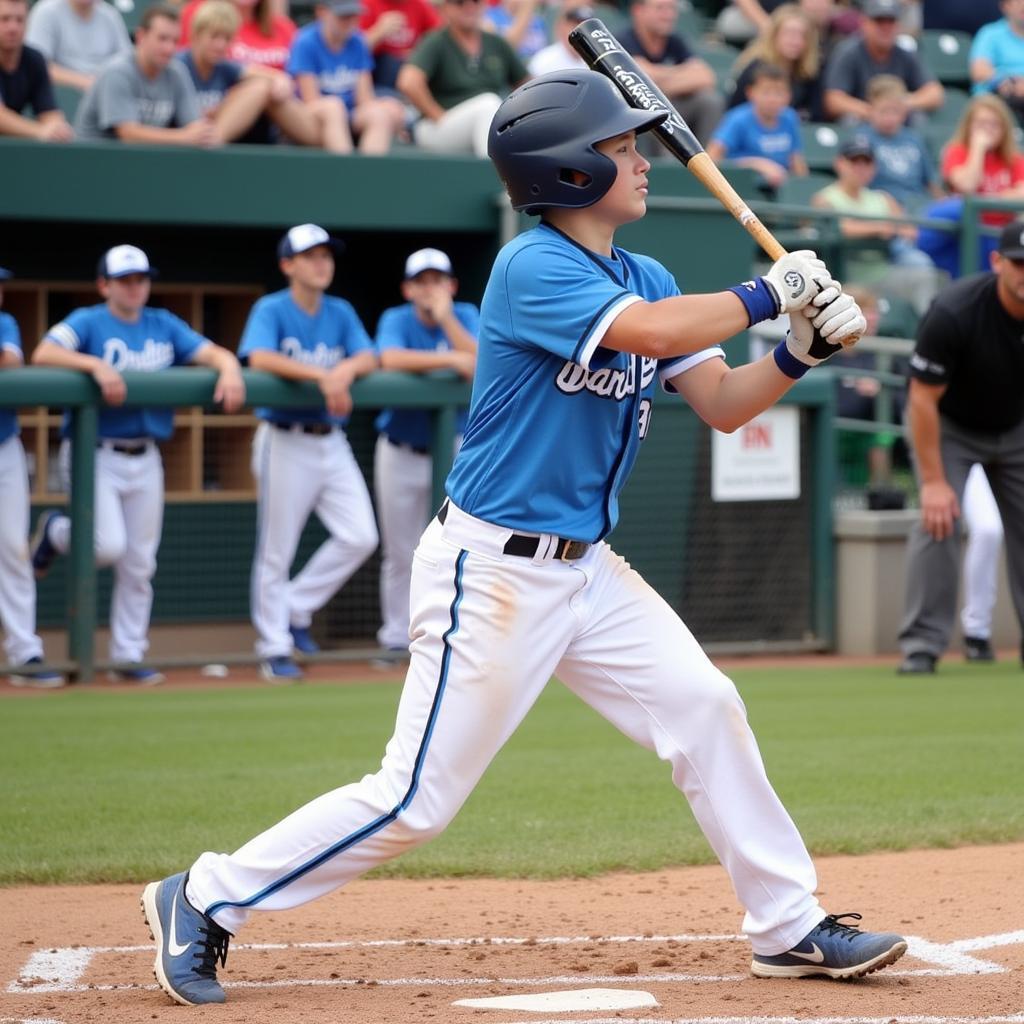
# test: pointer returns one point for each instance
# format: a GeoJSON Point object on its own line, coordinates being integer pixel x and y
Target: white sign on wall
{"type": "Point", "coordinates": [760, 461]}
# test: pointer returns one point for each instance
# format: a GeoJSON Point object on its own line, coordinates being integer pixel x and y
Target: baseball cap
{"type": "Point", "coordinates": [882, 8]}
{"type": "Point", "coordinates": [302, 237]}
{"type": "Point", "coordinates": [5, 274]}
{"type": "Point", "coordinates": [857, 146]}
{"type": "Point", "coordinates": [344, 7]}
{"type": "Point", "coordinates": [427, 259]}
{"type": "Point", "coordinates": [123, 260]}
{"type": "Point", "coordinates": [1011, 240]}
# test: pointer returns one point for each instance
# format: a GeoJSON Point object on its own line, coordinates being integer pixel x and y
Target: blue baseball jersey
{"type": "Point", "coordinates": [10, 340]}
{"type": "Point", "coordinates": [556, 420]}
{"type": "Point", "coordinates": [400, 327]}
{"type": "Point", "coordinates": [337, 71]}
{"type": "Point", "coordinates": [158, 339]}
{"type": "Point", "coordinates": [333, 333]}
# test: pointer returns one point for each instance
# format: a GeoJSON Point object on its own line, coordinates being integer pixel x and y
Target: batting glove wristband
{"type": "Point", "coordinates": [815, 335]}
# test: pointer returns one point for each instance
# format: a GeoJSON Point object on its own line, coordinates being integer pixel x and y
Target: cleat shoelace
{"type": "Point", "coordinates": [213, 948]}
{"type": "Point", "coordinates": [834, 926]}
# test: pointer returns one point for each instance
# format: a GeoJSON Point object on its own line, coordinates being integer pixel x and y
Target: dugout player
{"type": "Point", "coordinates": [22, 646]}
{"type": "Point", "coordinates": [429, 332]}
{"type": "Point", "coordinates": [301, 458]}
{"type": "Point", "coordinates": [965, 406]}
{"type": "Point", "coordinates": [123, 333]}
{"type": "Point", "coordinates": [513, 581]}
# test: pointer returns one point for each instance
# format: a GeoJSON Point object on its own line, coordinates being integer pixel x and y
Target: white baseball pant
{"type": "Point", "coordinates": [489, 630]}
{"type": "Point", "coordinates": [17, 584]}
{"type": "Point", "coordinates": [981, 559]}
{"type": "Point", "coordinates": [129, 518]}
{"type": "Point", "coordinates": [298, 474]}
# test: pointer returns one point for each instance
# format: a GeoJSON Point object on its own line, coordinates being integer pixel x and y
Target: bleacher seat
{"type": "Point", "coordinates": [67, 98]}
{"type": "Point", "coordinates": [820, 143]}
{"type": "Point", "coordinates": [945, 55]}
{"type": "Point", "coordinates": [796, 191]}
{"type": "Point", "coordinates": [722, 59]}
{"type": "Point", "coordinates": [952, 107]}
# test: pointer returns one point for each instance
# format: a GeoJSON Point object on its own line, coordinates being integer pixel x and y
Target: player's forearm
{"type": "Point", "coordinates": [217, 358]}
{"type": "Point", "coordinates": [677, 326]}
{"type": "Point", "coordinates": [9, 359]}
{"type": "Point", "coordinates": [744, 392]}
{"type": "Point", "coordinates": [362, 363]}
{"type": "Point", "coordinates": [457, 335]}
{"type": "Point", "coordinates": [404, 360]}
{"type": "Point", "coordinates": [49, 353]}
{"type": "Point", "coordinates": [285, 367]}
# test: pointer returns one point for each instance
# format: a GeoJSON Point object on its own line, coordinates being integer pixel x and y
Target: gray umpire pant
{"type": "Point", "coordinates": [933, 566]}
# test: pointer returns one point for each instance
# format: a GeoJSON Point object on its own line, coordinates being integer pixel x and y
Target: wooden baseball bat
{"type": "Point", "coordinates": [603, 52]}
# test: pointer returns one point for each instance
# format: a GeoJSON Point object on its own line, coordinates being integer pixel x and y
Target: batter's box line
{"type": "Point", "coordinates": [1014, 1018]}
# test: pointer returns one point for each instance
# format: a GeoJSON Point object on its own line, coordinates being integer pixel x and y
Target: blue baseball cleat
{"type": "Point", "coordinates": [188, 943]}
{"type": "Point", "coordinates": [303, 640]}
{"type": "Point", "coordinates": [835, 950]}
{"type": "Point", "coordinates": [280, 669]}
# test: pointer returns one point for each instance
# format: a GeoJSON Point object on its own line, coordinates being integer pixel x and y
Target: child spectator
{"type": "Point", "coordinates": [559, 55]}
{"type": "Point", "coordinates": [330, 58]}
{"type": "Point", "coordinates": [392, 28]}
{"type": "Point", "coordinates": [518, 22]}
{"type": "Point", "coordinates": [25, 82]}
{"type": "Point", "coordinates": [982, 159]}
{"type": "Point", "coordinates": [764, 132]}
{"type": "Point", "coordinates": [236, 98]}
{"type": "Point", "coordinates": [789, 41]}
{"type": "Point", "coordinates": [903, 166]}
{"type": "Point", "coordinates": [264, 36]}
{"type": "Point", "coordinates": [997, 57]}
{"type": "Point", "coordinates": [77, 37]}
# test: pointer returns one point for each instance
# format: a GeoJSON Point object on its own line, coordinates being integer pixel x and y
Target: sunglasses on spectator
{"type": "Point", "coordinates": [861, 159]}
{"type": "Point", "coordinates": [459, 3]}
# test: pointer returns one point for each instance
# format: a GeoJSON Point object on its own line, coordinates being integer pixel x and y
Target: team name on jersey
{"type": "Point", "coordinates": [610, 383]}
{"type": "Point", "coordinates": [321, 355]}
{"type": "Point", "coordinates": [154, 355]}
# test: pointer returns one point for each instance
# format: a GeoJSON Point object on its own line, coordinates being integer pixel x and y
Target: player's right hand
{"type": "Point", "coordinates": [335, 386]}
{"type": "Point", "coordinates": [794, 279]}
{"type": "Point", "coordinates": [111, 383]}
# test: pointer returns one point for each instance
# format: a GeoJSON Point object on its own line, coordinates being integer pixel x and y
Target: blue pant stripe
{"type": "Point", "coordinates": [385, 819]}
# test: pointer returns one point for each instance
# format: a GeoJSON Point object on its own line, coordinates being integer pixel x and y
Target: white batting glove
{"type": "Point", "coordinates": [815, 334]}
{"type": "Point", "coordinates": [794, 279]}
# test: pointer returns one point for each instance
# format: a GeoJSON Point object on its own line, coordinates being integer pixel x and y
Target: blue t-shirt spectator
{"type": "Point", "coordinates": [1002, 48]}
{"type": "Point", "coordinates": [535, 38]}
{"type": "Point", "coordinates": [742, 134]}
{"type": "Point", "coordinates": [903, 166]}
{"type": "Point", "coordinates": [337, 71]}
{"type": "Point", "coordinates": [211, 91]}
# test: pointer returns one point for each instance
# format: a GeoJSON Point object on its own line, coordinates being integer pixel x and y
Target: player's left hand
{"type": "Point", "coordinates": [230, 390]}
{"type": "Point", "coordinates": [816, 333]}
{"type": "Point", "coordinates": [335, 387]}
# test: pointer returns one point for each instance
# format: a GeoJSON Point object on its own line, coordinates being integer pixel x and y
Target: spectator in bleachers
{"type": "Point", "coordinates": [102, 341]}
{"type": "Point", "coordinates": [146, 95]}
{"type": "Point", "coordinates": [520, 24]}
{"type": "Point", "coordinates": [764, 132]}
{"type": "Point", "coordinates": [559, 55]}
{"type": "Point", "coordinates": [392, 28]}
{"type": "Point", "coordinates": [430, 331]}
{"type": "Point", "coordinates": [982, 158]}
{"type": "Point", "coordinates": [903, 166]}
{"type": "Point", "coordinates": [236, 97]}
{"type": "Point", "coordinates": [456, 78]}
{"type": "Point", "coordinates": [997, 57]}
{"type": "Point", "coordinates": [687, 80]}
{"type": "Point", "coordinates": [25, 82]}
{"type": "Point", "coordinates": [22, 645]}
{"type": "Point", "coordinates": [873, 51]}
{"type": "Point", "coordinates": [330, 58]}
{"type": "Point", "coordinates": [850, 194]}
{"type": "Point", "coordinates": [790, 41]}
{"type": "Point", "coordinates": [77, 37]}
{"type": "Point", "coordinates": [264, 37]}
{"type": "Point", "coordinates": [744, 20]}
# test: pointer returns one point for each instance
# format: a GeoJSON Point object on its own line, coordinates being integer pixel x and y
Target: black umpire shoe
{"type": "Point", "coordinates": [919, 663]}
{"type": "Point", "coordinates": [978, 648]}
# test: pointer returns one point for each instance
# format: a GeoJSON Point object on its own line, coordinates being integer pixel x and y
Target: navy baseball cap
{"type": "Point", "coordinates": [883, 9]}
{"type": "Point", "coordinates": [859, 145]}
{"type": "Point", "coordinates": [5, 274]}
{"type": "Point", "coordinates": [1011, 240]}
{"type": "Point", "coordinates": [123, 260]}
{"type": "Point", "coordinates": [303, 237]}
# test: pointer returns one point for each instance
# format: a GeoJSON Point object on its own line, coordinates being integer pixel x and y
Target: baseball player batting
{"type": "Point", "coordinates": [513, 581]}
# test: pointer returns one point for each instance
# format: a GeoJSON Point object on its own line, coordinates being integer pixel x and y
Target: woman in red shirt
{"type": "Point", "coordinates": [981, 159]}
{"type": "Point", "coordinates": [264, 38]}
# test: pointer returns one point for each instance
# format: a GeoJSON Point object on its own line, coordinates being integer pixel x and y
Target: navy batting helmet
{"type": "Point", "coordinates": [548, 128]}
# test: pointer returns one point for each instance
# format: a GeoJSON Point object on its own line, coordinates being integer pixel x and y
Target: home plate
{"type": "Point", "coordinates": [566, 1002]}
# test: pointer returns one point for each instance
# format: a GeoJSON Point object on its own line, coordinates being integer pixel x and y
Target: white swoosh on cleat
{"type": "Point", "coordinates": [817, 957]}
{"type": "Point", "coordinates": [172, 940]}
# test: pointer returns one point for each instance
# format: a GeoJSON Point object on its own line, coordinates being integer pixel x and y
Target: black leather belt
{"type": "Point", "coordinates": [317, 429]}
{"type": "Point", "coordinates": [407, 447]}
{"type": "Point", "coordinates": [527, 547]}
{"type": "Point", "coordinates": [124, 449]}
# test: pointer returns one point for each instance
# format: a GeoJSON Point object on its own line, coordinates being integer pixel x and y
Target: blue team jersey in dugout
{"type": "Point", "coordinates": [555, 420]}
{"type": "Point", "coordinates": [400, 327]}
{"type": "Point", "coordinates": [333, 333]}
{"type": "Point", "coordinates": [158, 339]}
{"type": "Point", "coordinates": [10, 340]}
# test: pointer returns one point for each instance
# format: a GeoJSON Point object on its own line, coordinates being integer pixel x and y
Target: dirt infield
{"type": "Point", "coordinates": [405, 951]}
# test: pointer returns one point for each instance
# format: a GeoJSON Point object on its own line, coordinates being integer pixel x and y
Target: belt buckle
{"type": "Point", "coordinates": [573, 550]}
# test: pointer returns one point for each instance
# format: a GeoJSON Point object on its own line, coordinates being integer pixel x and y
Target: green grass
{"type": "Point", "coordinates": [126, 786]}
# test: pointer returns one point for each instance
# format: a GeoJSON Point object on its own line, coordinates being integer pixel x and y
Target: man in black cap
{"type": "Point", "coordinates": [965, 406]}
{"type": "Point", "coordinates": [873, 51]}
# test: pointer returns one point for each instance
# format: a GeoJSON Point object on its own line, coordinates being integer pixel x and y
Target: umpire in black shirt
{"type": "Point", "coordinates": [965, 405]}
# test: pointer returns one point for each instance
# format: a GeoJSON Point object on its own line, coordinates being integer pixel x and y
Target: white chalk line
{"type": "Point", "coordinates": [1014, 1018]}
